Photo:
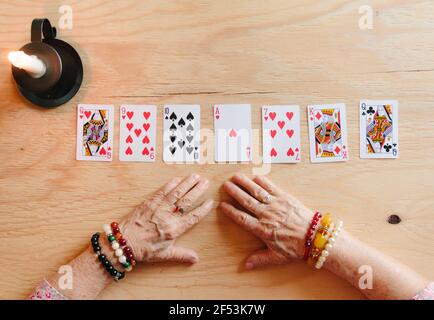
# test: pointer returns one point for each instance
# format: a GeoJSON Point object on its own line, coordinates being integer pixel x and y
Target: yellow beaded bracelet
{"type": "Point", "coordinates": [320, 239]}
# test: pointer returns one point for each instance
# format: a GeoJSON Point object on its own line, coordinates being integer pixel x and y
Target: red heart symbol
{"type": "Point", "coordinates": [145, 151]}
{"type": "Point", "coordinates": [130, 114]}
{"type": "Point", "coordinates": [296, 150]}
{"type": "Point", "coordinates": [289, 115]}
{"type": "Point", "coordinates": [272, 115]}
{"type": "Point", "coordinates": [290, 133]}
{"type": "Point", "coordinates": [109, 148]}
{"type": "Point", "coordinates": [290, 152]}
{"type": "Point", "coordinates": [146, 126]}
{"type": "Point", "coordinates": [145, 140]}
{"type": "Point", "coordinates": [266, 118]}
{"type": "Point", "coordinates": [130, 126]}
{"type": "Point", "coordinates": [232, 133]}
{"type": "Point", "coordinates": [81, 116]}
{"type": "Point", "coordinates": [281, 124]}
{"type": "Point", "coordinates": [129, 139]}
{"type": "Point", "coordinates": [87, 114]}
{"type": "Point", "coordinates": [273, 153]}
{"type": "Point", "coordinates": [146, 114]}
{"type": "Point", "coordinates": [137, 132]}
{"type": "Point", "coordinates": [273, 133]}
{"type": "Point", "coordinates": [123, 117]}
{"type": "Point", "coordinates": [128, 152]}
{"type": "Point", "coordinates": [102, 152]}
{"type": "Point", "coordinates": [217, 117]}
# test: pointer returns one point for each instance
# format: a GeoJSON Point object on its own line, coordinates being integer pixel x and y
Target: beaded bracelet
{"type": "Point", "coordinates": [310, 235]}
{"type": "Point", "coordinates": [320, 239]}
{"type": "Point", "coordinates": [330, 242]}
{"type": "Point", "coordinates": [117, 275]}
{"type": "Point", "coordinates": [123, 253]}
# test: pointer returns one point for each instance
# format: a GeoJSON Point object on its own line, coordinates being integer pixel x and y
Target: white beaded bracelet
{"type": "Point", "coordinates": [331, 241]}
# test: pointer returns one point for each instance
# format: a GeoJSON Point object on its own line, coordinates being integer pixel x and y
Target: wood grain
{"type": "Point", "coordinates": [205, 52]}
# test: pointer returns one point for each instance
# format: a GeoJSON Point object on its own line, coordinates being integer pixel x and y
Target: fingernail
{"type": "Point", "coordinates": [194, 259]}
{"type": "Point", "coordinates": [249, 265]}
{"type": "Point", "coordinates": [209, 203]}
{"type": "Point", "coordinates": [195, 176]}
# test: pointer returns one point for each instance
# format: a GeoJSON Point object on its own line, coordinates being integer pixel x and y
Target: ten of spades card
{"type": "Point", "coordinates": [94, 132]}
{"type": "Point", "coordinates": [379, 129]}
{"type": "Point", "coordinates": [181, 136]}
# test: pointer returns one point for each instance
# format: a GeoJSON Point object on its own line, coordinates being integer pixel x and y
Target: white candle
{"type": "Point", "coordinates": [31, 64]}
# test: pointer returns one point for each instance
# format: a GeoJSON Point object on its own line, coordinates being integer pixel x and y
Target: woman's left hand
{"type": "Point", "coordinates": [152, 228]}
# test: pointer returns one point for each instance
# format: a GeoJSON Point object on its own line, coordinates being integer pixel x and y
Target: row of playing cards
{"type": "Point", "coordinates": [232, 124]}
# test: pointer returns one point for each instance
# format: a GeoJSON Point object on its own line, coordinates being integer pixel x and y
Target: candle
{"type": "Point", "coordinates": [31, 64]}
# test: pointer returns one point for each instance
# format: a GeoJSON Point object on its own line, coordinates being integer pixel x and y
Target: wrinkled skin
{"type": "Point", "coordinates": [152, 228]}
{"type": "Point", "coordinates": [280, 220]}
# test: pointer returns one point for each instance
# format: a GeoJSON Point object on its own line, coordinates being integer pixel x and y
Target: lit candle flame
{"type": "Point", "coordinates": [31, 64]}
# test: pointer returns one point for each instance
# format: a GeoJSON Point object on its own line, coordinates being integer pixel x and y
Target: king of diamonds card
{"type": "Point", "coordinates": [328, 133]}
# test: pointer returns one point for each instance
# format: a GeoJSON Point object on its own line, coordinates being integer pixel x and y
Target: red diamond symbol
{"type": "Point", "coordinates": [337, 150]}
{"type": "Point", "coordinates": [318, 115]}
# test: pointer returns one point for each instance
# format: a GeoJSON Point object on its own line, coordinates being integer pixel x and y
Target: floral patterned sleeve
{"type": "Point", "coordinates": [46, 292]}
{"type": "Point", "coordinates": [426, 294]}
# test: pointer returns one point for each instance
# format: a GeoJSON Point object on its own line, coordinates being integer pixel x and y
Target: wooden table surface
{"type": "Point", "coordinates": [206, 52]}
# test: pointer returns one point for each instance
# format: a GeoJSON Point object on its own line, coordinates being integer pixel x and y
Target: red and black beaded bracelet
{"type": "Point", "coordinates": [310, 234]}
{"type": "Point", "coordinates": [119, 245]}
{"type": "Point", "coordinates": [117, 275]}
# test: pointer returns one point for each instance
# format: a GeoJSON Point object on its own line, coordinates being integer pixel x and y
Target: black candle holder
{"type": "Point", "coordinates": [64, 70]}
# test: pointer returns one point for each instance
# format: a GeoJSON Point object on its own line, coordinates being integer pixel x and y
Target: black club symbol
{"type": "Point", "coordinates": [370, 111]}
{"type": "Point", "coordinates": [387, 147]}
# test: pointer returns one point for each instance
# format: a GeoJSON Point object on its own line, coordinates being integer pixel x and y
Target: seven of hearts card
{"type": "Point", "coordinates": [281, 134]}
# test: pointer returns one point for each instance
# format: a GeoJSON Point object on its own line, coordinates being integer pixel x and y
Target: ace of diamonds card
{"type": "Point", "coordinates": [137, 133]}
{"type": "Point", "coordinates": [328, 133]}
{"type": "Point", "coordinates": [181, 136]}
{"type": "Point", "coordinates": [232, 131]}
{"type": "Point", "coordinates": [281, 134]}
{"type": "Point", "coordinates": [94, 132]}
{"type": "Point", "coordinates": [379, 129]}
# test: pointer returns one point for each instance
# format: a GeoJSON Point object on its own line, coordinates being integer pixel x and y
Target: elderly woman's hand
{"type": "Point", "coordinates": [276, 217]}
{"type": "Point", "coordinates": [151, 229]}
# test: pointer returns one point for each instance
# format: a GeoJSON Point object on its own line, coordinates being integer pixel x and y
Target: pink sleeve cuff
{"type": "Point", "coordinates": [426, 294]}
{"type": "Point", "coordinates": [46, 292]}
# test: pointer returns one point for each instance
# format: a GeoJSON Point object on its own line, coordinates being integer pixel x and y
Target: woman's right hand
{"type": "Point", "coordinates": [276, 217]}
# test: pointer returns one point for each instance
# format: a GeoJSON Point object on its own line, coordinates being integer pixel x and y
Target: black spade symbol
{"type": "Point", "coordinates": [173, 116]}
{"type": "Point", "coordinates": [181, 143]}
{"type": "Point", "coordinates": [181, 122]}
{"type": "Point", "coordinates": [190, 116]}
{"type": "Point", "coordinates": [172, 138]}
{"type": "Point", "coordinates": [172, 149]}
{"type": "Point", "coordinates": [190, 127]}
{"type": "Point", "coordinates": [173, 127]}
{"type": "Point", "coordinates": [166, 117]}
